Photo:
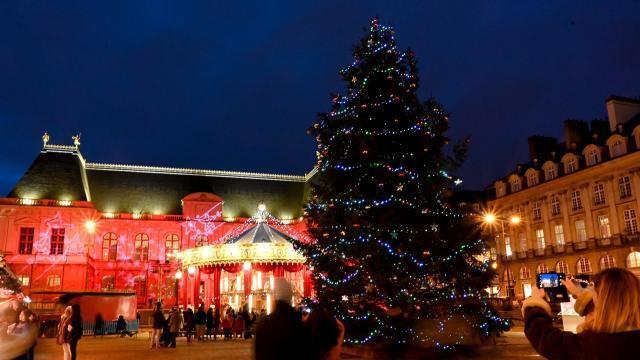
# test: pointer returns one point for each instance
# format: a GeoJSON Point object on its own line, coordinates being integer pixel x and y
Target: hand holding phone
{"type": "Point", "coordinates": [552, 284]}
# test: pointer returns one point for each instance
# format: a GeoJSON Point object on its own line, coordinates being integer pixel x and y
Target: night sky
{"type": "Point", "coordinates": [234, 86]}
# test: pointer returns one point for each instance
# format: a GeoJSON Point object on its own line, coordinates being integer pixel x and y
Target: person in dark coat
{"type": "Point", "coordinates": [121, 327]}
{"type": "Point", "coordinates": [210, 323]}
{"type": "Point", "coordinates": [158, 325]}
{"type": "Point", "coordinates": [75, 330]}
{"type": "Point", "coordinates": [200, 320]}
{"type": "Point", "coordinates": [189, 323]}
{"type": "Point", "coordinates": [98, 328]}
{"type": "Point", "coordinates": [280, 334]}
{"type": "Point", "coordinates": [613, 333]}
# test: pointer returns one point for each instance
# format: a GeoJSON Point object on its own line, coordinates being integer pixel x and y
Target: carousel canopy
{"type": "Point", "coordinates": [260, 244]}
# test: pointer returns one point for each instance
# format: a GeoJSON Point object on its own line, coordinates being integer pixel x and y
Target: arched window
{"type": "Point", "coordinates": [542, 268]}
{"type": "Point", "coordinates": [583, 266]}
{"type": "Point", "coordinates": [501, 190]}
{"type": "Point", "coordinates": [516, 184]}
{"type": "Point", "coordinates": [532, 177]}
{"type": "Point", "coordinates": [524, 273]}
{"type": "Point", "coordinates": [570, 165]}
{"type": "Point", "coordinates": [141, 247]}
{"type": "Point", "coordinates": [110, 247]}
{"type": "Point", "coordinates": [171, 245]}
{"type": "Point", "coordinates": [592, 156]}
{"type": "Point", "coordinates": [607, 262]}
{"type": "Point", "coordinates": [562, 267]}
{"type": "Point", "coordinates": [201, 240]}
{"type": "Point", "coordinates": [633, 260]}
{"type": "Point", "coordinates": [618, 148]}
{"type": "Point", "coordinates": [108, 282]}
{"type": "Point", "coordinates": [550, 170]}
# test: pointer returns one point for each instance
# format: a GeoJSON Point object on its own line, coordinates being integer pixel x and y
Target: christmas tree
{"type": "Point", "coordinates": [390, 250]}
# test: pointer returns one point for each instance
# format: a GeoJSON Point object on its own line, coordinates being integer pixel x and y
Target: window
{"type": "Point", "coordinates": [550, 172]}
{"type": "Point", "coordinates": [26, 240]}
{"type": "Point", "coordinates": [171, 245]}
{"type": "Point", "coordinates": [540, 238]}
{"type": "Point", "coordinates": [598, 194]}
{"type": "Point", "coordinates": [507, 245]}
{"type": "Point", "coordinates": [532, 178]}
{"type": "Point", "coordinates": [109, 247]}
{"type": "Point", "coordinates": [57, 241]}
{"type": "Point", "coordinates": [53, 281]}
{"type": "Point", "coordinates": [630, 221]}
{"type": "Point", "coordinates": [576, 201]}
{"type": "Point", "coordinates": [108, 282]}
{"type": "Point", "coordinates": [603, 224]}
{"type": "Point", "coordinates": [633, 260]}
{"type": "Point", "coordinates": [201, 240]}
{"type": "Point", "coordinates": [507, 275]}
{"type": "Point", "coordinates": [570, 166]}
{"type": "Point", "coordinates": [618, 148]}
{"type": "Point", "coordinates": [24, 280]}
{"type": "Point", "coordinates": [562, 267]}
{"type": "Point", "coordinates": [537, 212]}
{"type": "Point", "coordinates": [523, 241]}
{"type": "Point", "coordinates": [500, 190]}
{"type": "Point", "coordinates": [140, 286]}
{"type": "Point", "coordinates": [559, 231]}
{"type": "Point", "coordinates": [524, 273]}
{"type": "Point", "coordinates": [542, 268]}
{"type": "Point", "coordinates": [141, 247]}
{"type": "Point", "coordinates": [593, 157]}
{"type": "Point", "coordinates": [581, 231]}
{"type": "Point", "coordinates": [624, 185]}
{"type": "Point", "coordinates": [515, 185]}
{"type": "Point", "coordinates": [555, 205]}
{"type": "Point", "coordinates": [583, 266]}
{"type": "Point", "coordinates": [607, 262]}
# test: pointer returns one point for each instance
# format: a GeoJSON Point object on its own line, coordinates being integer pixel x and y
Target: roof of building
{"type": "Point", "coordinates": [61, 173]}
{"type": "Point", "coordinates": [261, 233]}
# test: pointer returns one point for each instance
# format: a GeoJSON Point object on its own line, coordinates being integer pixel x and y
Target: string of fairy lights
{"type": "Point", "coordinates": [420, 258]}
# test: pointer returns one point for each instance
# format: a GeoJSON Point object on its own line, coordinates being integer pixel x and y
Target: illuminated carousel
{"type": "Point", "coordinates": [242, 268]}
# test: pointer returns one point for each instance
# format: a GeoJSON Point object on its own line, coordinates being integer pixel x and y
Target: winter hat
{"type": "Point", "coordinates": [282, 290]}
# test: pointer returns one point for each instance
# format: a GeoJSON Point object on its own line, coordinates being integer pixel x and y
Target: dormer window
{"type": "Point", "coordinates": [501, 190]}
{"type": "Point", "coordinates": [617, 145]}
{"type": "Point", "coordinates": [570, 166]}
{"type": "Point", "coordinates": [592, 156]}
{"type": "Point", "coordinates": [532, 178]}
{"type": "Point", "coordinates": [516, 184]}
{"type": "Point", "coordinates": [550, 170]}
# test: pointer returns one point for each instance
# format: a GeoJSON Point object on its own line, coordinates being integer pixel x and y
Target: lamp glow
{"type": "Point", "coordinates": [178, 274]}
{"type": "Point", "coordinates": [262, 207]}
{"type": "Point", "coordinates": [191, 270]}
{"type": "Point", "coordinates": [494, 265]}
{"type": "Point", "coordinates": [246, 266]}
{"type": "Point", "coordinates": [489, 218]}
{"type": "Point", "coordinates": [90, 225]}
{"type": "Point", "coordinates": [515, 220]}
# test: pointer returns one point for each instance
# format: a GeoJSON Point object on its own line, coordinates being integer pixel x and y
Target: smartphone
{"type": "Point", "coordinates": [551, 284]}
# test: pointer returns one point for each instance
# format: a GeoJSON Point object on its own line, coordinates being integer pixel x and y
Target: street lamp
{"type": "Point", "coordinates": [491, 219]}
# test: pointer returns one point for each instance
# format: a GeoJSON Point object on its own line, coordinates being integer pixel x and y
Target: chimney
{"type": "Point", "coordinates": [620, 110]}
{"type": "Point", "coordinates": [541, 146]}
{"type": "Point", "coordinates": [576, 133]}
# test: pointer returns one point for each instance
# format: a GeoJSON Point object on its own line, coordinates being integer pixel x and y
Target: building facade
{"type": "Point", "coordinates": [70, 225]}
{"type": "Point", "coordinates": [578, 202]}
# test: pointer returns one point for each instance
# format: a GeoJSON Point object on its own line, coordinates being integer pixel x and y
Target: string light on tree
{"type": "Point", "coordinates": [390, 250]}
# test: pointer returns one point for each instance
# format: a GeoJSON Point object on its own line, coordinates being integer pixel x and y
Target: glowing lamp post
{"type": "Point", "coordinates": [90, 226]}
{"type": "Point", "coordinates": [491, 219]}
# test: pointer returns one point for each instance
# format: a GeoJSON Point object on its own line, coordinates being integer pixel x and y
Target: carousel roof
{"type": "Point", "coordinates": [260, 234]}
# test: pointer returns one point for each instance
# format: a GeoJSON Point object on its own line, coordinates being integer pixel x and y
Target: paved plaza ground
{"type": "Point", "coordinates": [513, 345]}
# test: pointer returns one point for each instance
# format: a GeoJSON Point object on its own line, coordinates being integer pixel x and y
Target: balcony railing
{"type": "Point", "coordinates": [522, 254]}
{"type": "Point", "coordinates": [558, 249]}
{"type": "Point", "coordinates": [538, 252]}
{"type": "Point", "coordinates": [603, 241]}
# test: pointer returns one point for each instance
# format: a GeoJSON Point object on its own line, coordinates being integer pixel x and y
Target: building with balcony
{"type": "Point", "coordinates": [579, 201]}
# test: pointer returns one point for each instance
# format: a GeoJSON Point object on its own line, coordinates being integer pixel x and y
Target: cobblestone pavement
{"type": "Point", "coordinates": [512, 345]}
{"type": "Point", "coordinates": [115, 348]}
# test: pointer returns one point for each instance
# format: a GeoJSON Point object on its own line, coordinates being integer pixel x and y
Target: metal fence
{"type": "Point", "coordinates": [108, 327]}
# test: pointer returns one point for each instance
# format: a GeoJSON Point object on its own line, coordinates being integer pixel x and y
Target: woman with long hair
{"type": "Point", "coordinates": [64, 335]}
{"type": "Point", "coordinates": [612, 333]}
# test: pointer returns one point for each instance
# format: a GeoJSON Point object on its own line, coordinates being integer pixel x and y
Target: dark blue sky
{"type": "Point", "coordinates": [234, 85]}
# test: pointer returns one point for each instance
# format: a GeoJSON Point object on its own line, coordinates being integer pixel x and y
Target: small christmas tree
{"type": "Point", "coordinates": [390, 251]}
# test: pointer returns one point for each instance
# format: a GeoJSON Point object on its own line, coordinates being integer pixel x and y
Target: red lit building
{"type": "Point", "coordinates": [182, 236]}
